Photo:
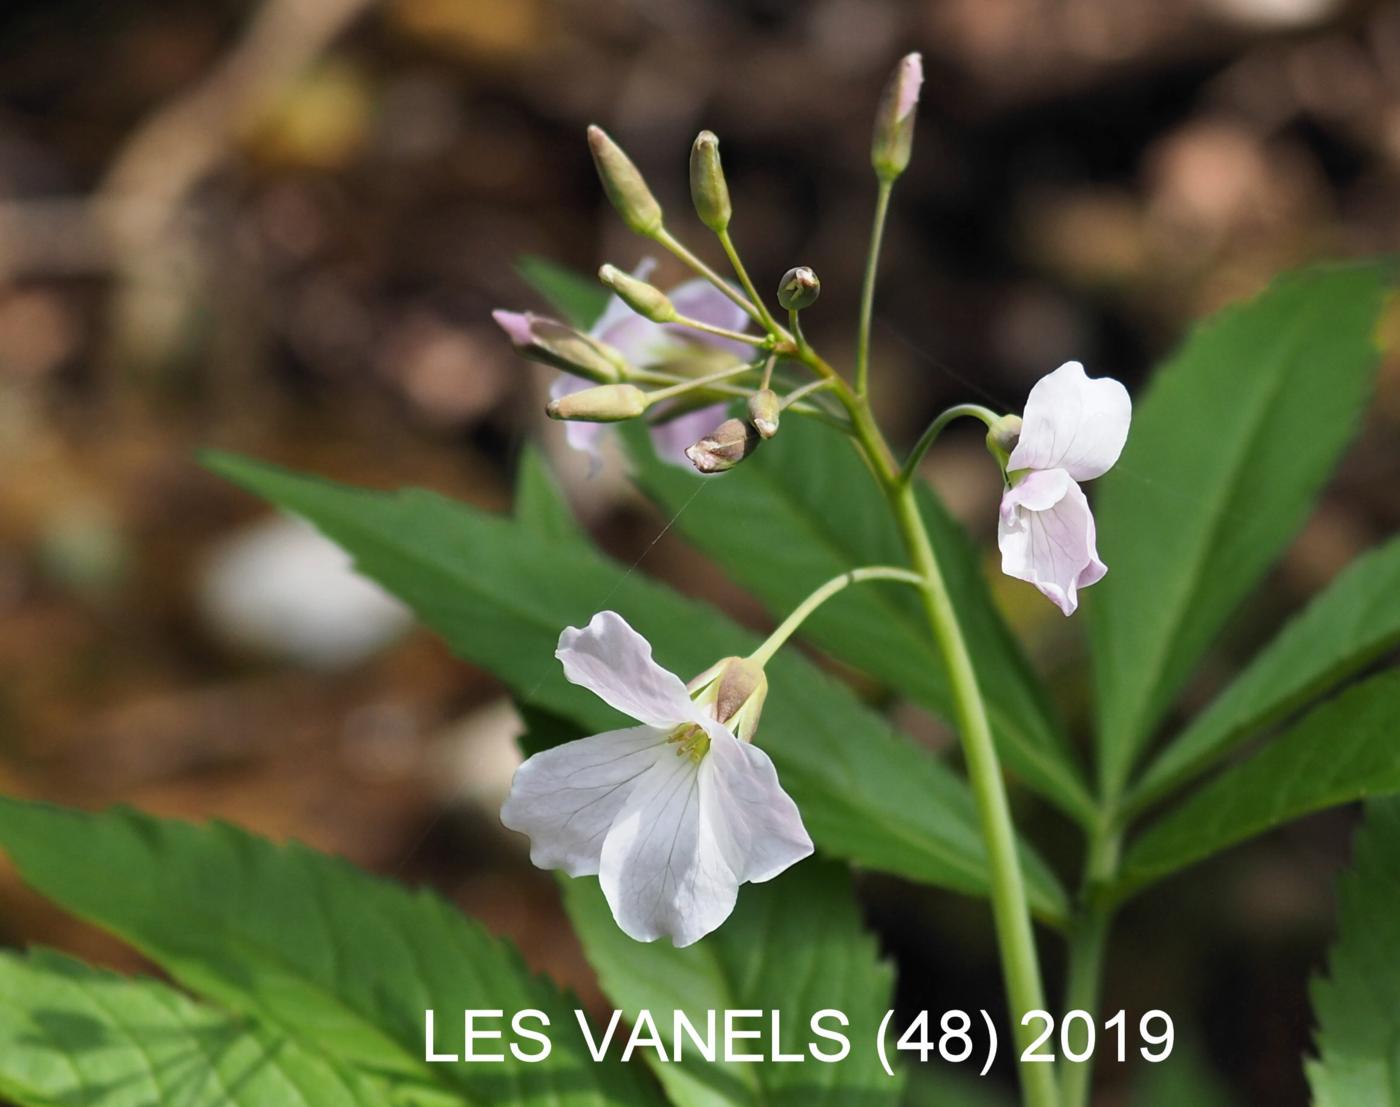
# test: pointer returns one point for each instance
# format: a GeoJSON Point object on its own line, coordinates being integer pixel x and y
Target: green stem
{"type": "Point", "coordinates": [934, 429]}
{"type": "Point", "coordinates": [721, 332]}
{"type": "Point", "coordinates": [1087, 942]}
{"type": "Point", "coordinates": [788, 626]}
{"type": "Point", "coordinates": [867, 292]}
{"type": "Point", "coordinates": [795, 322]}
{"type": "Point", "coordinates": [1010, 912]}
{"type": "Point", "coordinates": [697, 383]}
{"type": "Point", "coordinates": [756, 312]}
{"type": "Point", "coordinates": [737, 264]}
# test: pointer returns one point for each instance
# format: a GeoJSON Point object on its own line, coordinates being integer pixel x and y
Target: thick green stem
{"type": "Point", "coordinates": [1010, 912]}
{"type": "Point", "coordinates": [1087, 942]}
{"type": "Point", "coordinates": [867, 291]}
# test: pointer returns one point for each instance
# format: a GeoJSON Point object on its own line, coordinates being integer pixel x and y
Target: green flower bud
{"type": "Point", "coordinates": [607, 403]}
{"type": "Point", "coordinates": [799, 288]}
{"type": "Point", "coordinates": [623, 183]}
{"type": "Point", "coordinates": [553, 343]}
{"type": "Point", "coordinates": [724, 447]}
{"type": "Point", "coordinates": [735, 689]}
{"type": "Point", "coordinates": [894, 119]}
{"type": "Point", "coordinates": [1002, 437]}
{"type": "Point", "coordinates": [708, 190]}
{"type": "Point", "coordinates": [764, 410]}
{"type": "Point", "coordinates": [648, 302]}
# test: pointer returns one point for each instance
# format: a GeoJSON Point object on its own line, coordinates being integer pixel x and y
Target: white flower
{"type": "Point", "coordinates": [1073, 430]}
{"type": "Point", "coordinates": [644, 343]}
{"type": "Point", "coordinates": [672, 815]}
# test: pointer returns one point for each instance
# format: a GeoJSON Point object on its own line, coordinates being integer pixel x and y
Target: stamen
{"type": "Point", "coordinates": [691, 741]}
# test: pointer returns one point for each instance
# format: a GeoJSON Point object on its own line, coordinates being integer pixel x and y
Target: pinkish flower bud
{"type": "Point", "coordinates": [553, 343]}
{"type": "Point", "coordinates": [764, 411]}
{"type": "Point", "coordinates": [894, 119]}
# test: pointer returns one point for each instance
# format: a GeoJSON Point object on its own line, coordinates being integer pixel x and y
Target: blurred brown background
{"type": "Point", "coordinates": [279, 228]}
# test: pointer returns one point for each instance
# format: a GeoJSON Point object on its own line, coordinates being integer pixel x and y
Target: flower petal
{"type": "Point", "coordinates": [1046, 535]}
{"type": "Point", "coordinates": [1073, 423]}
{"type": "Point", "coordinates": [701, 300]}
{"type": "Point", "coordinates": [567, 798]}
{"type": "Point", "coordinates": [614, 662]}
{"type": "Point", "coordinates": [662, 870]}
{"type": "Point", "coordinates": [755, 821]}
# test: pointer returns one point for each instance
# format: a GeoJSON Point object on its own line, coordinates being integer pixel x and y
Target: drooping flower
{"type": "Point", "coordinates": [647, 344]}
{"type": "Point", "coordinates": [672, 815]}
{"type": "Point", "coordinates": [1073, 429]}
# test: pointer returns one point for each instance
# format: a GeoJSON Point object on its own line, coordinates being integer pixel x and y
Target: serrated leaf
{"type": "Point", "coordinates": [578, 300]}
{"type": "Point", "coordinates": [803, 509]}
{"type": "Point", "coordinates": [1355, 620]}
{"type": "Point", "coordinates": [1358, 1003]}
{"type": "Point", "coordinates": [1346, 749]}
{"type": "Point", "coordinates": [71, 1034]}
{"type": "Point", "coordinates": [500, 596]}
{"type": "Point", "coordinates": [796, 946]}
{"type": "Point", "coordinates": [1227, 451]}
{"type": "Point", "coordinates": [330, 956]}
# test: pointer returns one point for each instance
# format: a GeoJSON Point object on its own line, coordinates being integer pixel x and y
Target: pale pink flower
{"type": "Point", "coordinates": [671, 815]}
{"type": "Point", "coordinates": [1073, 429]}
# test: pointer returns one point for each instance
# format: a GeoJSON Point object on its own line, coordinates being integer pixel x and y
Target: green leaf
{"type": "Point", "coordinates": [576, 298]}
{"type": "Point", "coordinates": [1227, 451]}
{"type": "Point", "coordinates": [539, 503]}
{"type": "Point", "coordinates": [306, 943]}
{"type": "Point", "coordinates": [1358, 1003]}
{"type": "Point", "coordinates": [70, 1034]}
{"type": "Point", "coordinates": [795, 946]}
{"type": "Point", "coordinates": [1341, 751]}
{"type": "Point", "coordinates": [803, 509]}
{"type": "Point", "coordinates": [500, 596]}
{"type": "Point", "coordinates": [1345, 628]}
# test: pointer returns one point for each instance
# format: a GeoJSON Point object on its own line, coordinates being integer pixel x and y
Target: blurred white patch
{"type": "Point", "coordinates": [1274, 14]}
{"type": "Point", "coordinates": [473, 759]}
{"type": "Point", "coordinates": [280, 589]}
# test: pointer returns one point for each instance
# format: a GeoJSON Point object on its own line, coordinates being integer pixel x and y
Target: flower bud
{"type": "Point", "coordinates": [553, 343]}
{"type": "Point", "coordinates": [894, 119]}
{"type": "Point", "coordinates": [607, 403]}
{"type": "Point", "coordinates": [724, 447]}
{"type": "Point", "coordinates": [623, 183]}
{"type": "Point", "coordinates": [1002, 437]}
{"type": "Point", "coordinates": [647, 301]}
{"type": "Point", "coordinates": [799, 288]}
{"type": "Point", "coordinates": [734, 689]}
{"type": "Point", "coordinates": [708, 190]}
{"type": "Point", "coordinates": [764, 410]}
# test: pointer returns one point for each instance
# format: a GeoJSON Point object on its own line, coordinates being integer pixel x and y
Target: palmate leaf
{"type": "Point", "coordinates": [794, 945]}
{"type": "Point", "coordinates": [803, 509]}
{"type": "Point", "coordinates": [1227, 451]}
{"type": "Point", "coordinates": [71, 1034]}
{"type": "Point", "coordinates": [1358, 1003]}
{"type": "Point", "coordinates": [500, 595]}
{"type": "Point", "coordinates": [1355, 620]}
{"type": "Point", "coordinates": [1346, 749]}
{"type": "Point", "coordinates": [329, 956]}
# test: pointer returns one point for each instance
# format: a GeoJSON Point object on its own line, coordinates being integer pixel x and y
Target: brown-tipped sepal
{"type": "Point", "coordinates": [733, 690]}
{"type": "Point", "coordinates": [623, 182]}
{"type": "Point", "coordinates": [607, 403]}
{"type": "Point", "coordinates": [725, 446]}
